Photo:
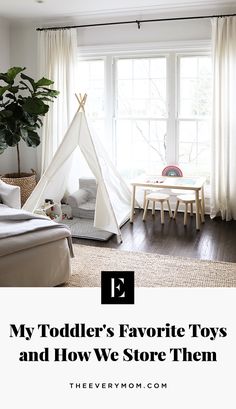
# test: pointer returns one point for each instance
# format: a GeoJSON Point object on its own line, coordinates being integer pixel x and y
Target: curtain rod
{"type": "Point", "coordinates": [138, 22]}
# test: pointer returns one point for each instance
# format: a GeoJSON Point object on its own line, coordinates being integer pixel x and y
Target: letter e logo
{"type": "Point", "coordinates": [117, 287]}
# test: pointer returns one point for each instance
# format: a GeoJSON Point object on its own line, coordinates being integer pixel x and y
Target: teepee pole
{"type": "Point", "coordinates": [82, 101]}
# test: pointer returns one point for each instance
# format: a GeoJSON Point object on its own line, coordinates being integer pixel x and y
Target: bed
{"type": "Point", "coordinates": [34, 251]}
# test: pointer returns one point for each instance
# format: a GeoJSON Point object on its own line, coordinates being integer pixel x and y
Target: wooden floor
{"type": "Point", "coordinates": [215, 241]}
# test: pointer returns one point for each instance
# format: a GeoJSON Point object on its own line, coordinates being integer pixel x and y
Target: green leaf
{"type": "Point", "coordinates": [51, 90]}
{"type": "Point", "coordinates": [3, 144]}
{"type": "Point", "coordinates": [13, 72]}
{"type": "Point", "coordinates": [31, 127]}
{"type": "Point", "coordinates": [29, 119]}
{"type": "Point", "coordinates": [26, 77]}
{"type": "Point", "coordinates": [40, 122]}
{"type": "Point", "coordinates": [35, 106]}
{"type": "Point", "coordinates": [6, 113]}
{"type": "Point", "coordinates": [26, 86]}
{"type": "Point", "coordinates": [43, 81]}
{"type": "Point", "coordinates": [12, 139]}
{"type": "Point", "coordinates": [50, 93]}
{"type": "Point", "coordinates": [14, 90]}
{"type": "Point", "coordinates": [4, 77]}
{"type": "Point", "coordinates": [46, 99]}
{"type": "Point", "coordinates": [24, 133]}
{"type": "Point", "coordinates": [4, 89]}
{"type": "Point", "coordinates": [2, 134]}
{"type": "Point", "coordinates": [32, 139]}
{"type": "Point", "coordinates": [22, 106]}
{"type": "Point", "coordinates": [10, 96]}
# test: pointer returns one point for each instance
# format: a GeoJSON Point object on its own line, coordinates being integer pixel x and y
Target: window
{"type": "Point", "coordinates": [151, 110]}
{"type": "Point", "coordinates": [91, 82]}
{"type": "Point", "coordinates": [141, 115]}
{"type": "Point", "coordinates": [194, 113]}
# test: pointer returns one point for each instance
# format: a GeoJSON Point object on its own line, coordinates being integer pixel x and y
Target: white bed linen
{"type": "Point", "coordinates": [34, 251]}
{"type": "Point", "coordinates": [17, 221]}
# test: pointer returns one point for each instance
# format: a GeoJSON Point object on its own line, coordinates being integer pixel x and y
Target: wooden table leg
{"type": "Point", "coordinates": [197, 209]}
{"type": "Point", "coordinates": [132, 204]}
{"type": "Point", "coordinates": [203, 204]}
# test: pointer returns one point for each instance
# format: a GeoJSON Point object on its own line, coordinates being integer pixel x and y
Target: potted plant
{"type": "Point", "coordinates": [23, 102]}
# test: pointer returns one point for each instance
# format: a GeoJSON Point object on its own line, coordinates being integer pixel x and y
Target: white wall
{"type": "Point", "coordinates": [18, 47]}
{"type": "Point", "coordinates": [6, 159]}
{"type": "Point", "coordinates": [23, 53]}
{"type": "Point", "coordinates": [23, 48]}
{"type": "Point", "coordinates": [4, 43]}
{"type": "Point", "coordinates": [149, 32]}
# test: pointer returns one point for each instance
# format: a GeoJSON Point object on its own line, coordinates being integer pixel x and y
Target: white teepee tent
{"type": "Point", "coordinates": [113, 196]}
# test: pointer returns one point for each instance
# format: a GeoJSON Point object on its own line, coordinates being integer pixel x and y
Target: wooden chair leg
{"type": "Point", "coordinates": [153, 207]}
{"type": "Point", "coordinates": [144, 198]}
{"type": "Point", "coordinates": [191, 211]}
{"type": "Point", "coordinates": [176, 209]}
{"type": "Point", "coordinates": [145, 209]}
{"type": "Point", "coordinates": [201, 212]}
{"type": "Point", "coordinates": [170, 211]}
{"type": "Point", "coordinates": [185, 214]}
{"type": "Point", "coordinates": [162, 213]}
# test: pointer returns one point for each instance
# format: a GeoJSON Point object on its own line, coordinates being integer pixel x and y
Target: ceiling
{"type": "Point", "coordinates": [53, 9]}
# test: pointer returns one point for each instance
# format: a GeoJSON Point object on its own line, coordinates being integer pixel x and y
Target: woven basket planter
{"type": "Point", "coordinates": [26, 182]}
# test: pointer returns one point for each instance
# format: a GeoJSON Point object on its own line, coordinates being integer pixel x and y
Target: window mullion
{"type": "Point", "coordinates": [171, 141]}
{"type": "Point", "coordinates": [109, 104]}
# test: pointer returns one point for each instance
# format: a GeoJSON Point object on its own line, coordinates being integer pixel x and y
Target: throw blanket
{"type": "Point", "coordinates": [14, 222]}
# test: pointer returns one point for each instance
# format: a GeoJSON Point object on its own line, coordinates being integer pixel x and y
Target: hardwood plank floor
{"type": "Point", "coordinates": [215, 241]}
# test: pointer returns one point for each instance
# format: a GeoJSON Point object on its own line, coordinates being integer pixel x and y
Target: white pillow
{"type": "Point", "coordinates": [77, 198]}
{"type": "Point", "coordinates": [10, 195]}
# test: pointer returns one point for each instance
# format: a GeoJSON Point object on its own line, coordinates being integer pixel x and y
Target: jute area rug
{"type": "Point", "coordinates": [151, 270]}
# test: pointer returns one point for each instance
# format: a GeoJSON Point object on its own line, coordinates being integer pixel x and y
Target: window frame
{"type": "Point", "coordinates": [177, 77]}
{"type": "Point", "coordinates": [115, 78]}
{"type": "Point", "coordinates": [172, 51]}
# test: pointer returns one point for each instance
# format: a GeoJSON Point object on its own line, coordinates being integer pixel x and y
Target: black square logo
{"type": "Point", "coordinates": [117, 287]}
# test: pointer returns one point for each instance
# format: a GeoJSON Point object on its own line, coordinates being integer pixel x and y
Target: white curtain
{"type": "Point", "coordinates": [57, 61]}
{"type": "Point", "coordinates": [223, 181]}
